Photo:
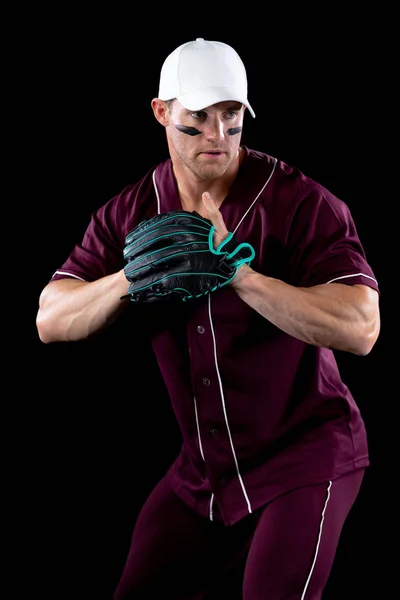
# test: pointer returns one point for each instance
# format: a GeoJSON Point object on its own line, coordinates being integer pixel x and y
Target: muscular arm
{"type": "Point", "coordinates": [71, 309]}
{"type": "Point", "coordinates": [334, 315]}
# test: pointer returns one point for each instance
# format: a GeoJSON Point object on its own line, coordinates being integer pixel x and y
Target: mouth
{"type": "Point", "coordinates": [213, 152]}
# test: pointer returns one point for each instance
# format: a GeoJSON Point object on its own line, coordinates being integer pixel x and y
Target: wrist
{"type": "Point", "coordinates": [241, 276]}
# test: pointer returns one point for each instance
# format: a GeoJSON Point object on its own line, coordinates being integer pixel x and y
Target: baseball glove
{"type": "Point", "coordinates": [171, 256]}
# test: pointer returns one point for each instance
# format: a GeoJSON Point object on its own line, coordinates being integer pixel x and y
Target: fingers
{"type": "Point", "coordinates": [215, 215]}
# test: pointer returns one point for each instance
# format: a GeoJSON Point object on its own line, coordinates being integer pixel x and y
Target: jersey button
{"type": "Point", "coordinates": [213, 431]}
{"type": "Point", "coordinates": [200, 329]}
{"type": "Point", "coordinates": [222, 482]}
{"type": "Point", "coordinates": [206, 381]}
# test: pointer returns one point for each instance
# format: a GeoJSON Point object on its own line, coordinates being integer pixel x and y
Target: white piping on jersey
{"type": "Point", "coordinates": [258, 195]}
{"type": "Point", "coordinates": [211, 507]}
{"type": "Point", "coordinates": [156, 190]}
{"type": "Point", "coordinates": [224, 409]}
{"type": "Point", "coordinates": [353, 275]}
{"type": "Point", "coordinates": [215, 353]}
{"type": "Point", "coordinates": [198, 428]}
{"type": "Point", "coordinates": [216, 359]}
{"type": "Point", "coordinates": [69, 274]}
{"type": "Point", "coordinates": [328, 495]}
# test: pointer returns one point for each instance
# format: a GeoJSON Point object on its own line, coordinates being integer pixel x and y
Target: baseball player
{"type": "Point", "coordinates": [253, 275]}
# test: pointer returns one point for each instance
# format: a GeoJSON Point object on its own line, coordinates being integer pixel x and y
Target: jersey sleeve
{"type": "Point", "coordinates": [99, 253]}
{"type": "Point", "coordinates": [324, 245]}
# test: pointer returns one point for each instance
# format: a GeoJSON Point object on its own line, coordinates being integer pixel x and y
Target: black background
{"type": "Point", "coordinates": [90, 430]}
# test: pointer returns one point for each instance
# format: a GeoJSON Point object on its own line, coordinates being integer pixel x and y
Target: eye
{"type": "Point", "coordinates": [199, 114]}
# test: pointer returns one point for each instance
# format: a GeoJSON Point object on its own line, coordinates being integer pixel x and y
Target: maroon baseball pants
{"type": "Point", "coordinates": [283, 551]}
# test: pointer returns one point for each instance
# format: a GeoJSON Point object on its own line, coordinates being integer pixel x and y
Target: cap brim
{"type": "Point", "coordinates": [203, 98]}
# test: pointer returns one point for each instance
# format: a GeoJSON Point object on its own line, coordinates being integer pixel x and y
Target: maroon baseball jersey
{"type": "Point", "coordinates": [260, 411]}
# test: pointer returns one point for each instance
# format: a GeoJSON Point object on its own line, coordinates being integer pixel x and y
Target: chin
{"type": "Point", "coordinates": [212, 172]}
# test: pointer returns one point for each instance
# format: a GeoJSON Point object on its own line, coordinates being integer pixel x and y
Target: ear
{"type": "Point", "coordinates": [160, 110]}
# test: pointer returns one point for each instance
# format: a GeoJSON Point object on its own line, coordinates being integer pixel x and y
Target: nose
{"type": "Point", "coordinates": [214, 129]}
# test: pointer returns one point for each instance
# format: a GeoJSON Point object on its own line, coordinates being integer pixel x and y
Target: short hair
{"type": "Point", "coordinates": [170, 103]}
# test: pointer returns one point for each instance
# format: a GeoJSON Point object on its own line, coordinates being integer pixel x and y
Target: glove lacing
{"type": "Point", "coordinates": [228, 255]}
{"type": "Point", "coordinates": [237, 263]}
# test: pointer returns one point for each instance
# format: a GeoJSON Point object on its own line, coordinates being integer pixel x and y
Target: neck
{"type": "Point", "coordinates": [191, 188]}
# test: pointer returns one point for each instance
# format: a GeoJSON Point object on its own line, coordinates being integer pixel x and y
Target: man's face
{"type": "Point", "coordinates": [206, 141]}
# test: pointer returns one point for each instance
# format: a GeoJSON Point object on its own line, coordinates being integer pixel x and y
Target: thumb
{"type": "Point", "coordinates": [216, 219]}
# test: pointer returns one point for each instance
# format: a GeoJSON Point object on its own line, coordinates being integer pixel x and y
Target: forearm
{"type": "Point", "coordinates": [71, 309]}
{"type": "Point", "coordinates": [332, 316]}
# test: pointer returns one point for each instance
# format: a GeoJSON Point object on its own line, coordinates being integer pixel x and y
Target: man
{"type": "Point", "coordinates": [274, 446]}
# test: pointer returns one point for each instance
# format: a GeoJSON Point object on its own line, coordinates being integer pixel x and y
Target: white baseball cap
{"type": "Point", "coordinates": [202, 73]}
